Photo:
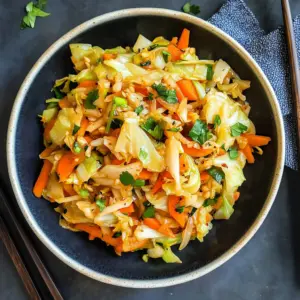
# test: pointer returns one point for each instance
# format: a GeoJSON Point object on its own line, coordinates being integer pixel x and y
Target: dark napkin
{"type": "Point", "coordinates": [270, 52]}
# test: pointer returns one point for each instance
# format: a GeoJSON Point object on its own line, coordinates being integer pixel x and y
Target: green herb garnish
{"type": "Point", "coordinates": [180, 209]}
{"type": "Point", "coordinates": [153, 128]}
{"type": "Point", "coordinates": [149, 212]}
{"type": "Point", "coordinates": [127, 179]}
{"type": "Point", "coordinates": [33, 10]}
{"type": "Point", "coordinates": [58, 93]}
{"type": "Point", "coordinates": [75, 129]}
{"type": "Point", "coordinates": [166, 55]}
{"type": "Point", "coordinates": [191, 8]}
{"type": "Point", "coordinates": [193, 211]}
{"type": "Point", "coordinates": [77, 148]}
{"type": "Point", "coordinates": [174, 129]}
{"type": "Point", "coordinates": [153, 46]}
{"type": "Point", "coordinates": [146, 63]}
{"type": "Point", "coordinates": [117, 102]}
{"type": "Point", "coordinates": [84, 193]}
{"type": "Point", "coordinates": [167, 95]}
{"type": "Point", "coordinates": [150, 96]}
{"type": "Point", "coordinates": [143, 155]}
{"type": "Point", "coordinates": [90, 99]}
{"type": "Point", "coordinates": [117, 234]}
{"type": "Point", "coordinates": [209, 73]}
{"type": "Point", "coordinates": [233, 153]}
{"type": "Point", "coordinates": [101, 204]}
{"type": "Point", "coordinates": [216, 173]}
{"type": "Point", "coordinates": [217, 121]}
{"type": "Point", "coordinates": [209, 201]}
{"type": "Point", "coordinates": [139, 109]}
{"type": "Point", "coordinates": [200, 132]}
{"type": "Point", "coordinates": [237, 129]}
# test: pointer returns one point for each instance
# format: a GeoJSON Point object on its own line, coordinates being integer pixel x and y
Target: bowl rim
{"type": "Point", "coordinates": [12, 168]}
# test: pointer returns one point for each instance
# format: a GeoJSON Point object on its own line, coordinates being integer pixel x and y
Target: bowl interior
{"type": "Point", "coordinates": [95, 255]}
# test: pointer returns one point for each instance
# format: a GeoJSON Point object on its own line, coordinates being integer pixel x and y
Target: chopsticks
{"type": "Point", "coordinates": [287, 17]}
{"type": "Point", "coordinates": [31, 250]}
{"type": "Point", "coordinates": [18, 262]}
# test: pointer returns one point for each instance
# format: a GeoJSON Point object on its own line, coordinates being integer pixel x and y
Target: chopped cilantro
{"type": "Point", "coordinates": [191, 8]}
{"type": "Point", "coordinates": [233, 153]}
{"type": "Point", "coordinates": [101, 204]}
{"type": "Point", "coordinates": [200, 132]}
{"type": "Point", "coordinates": [117, 234]}
{"type": "Point", "coordinates": [75, 129]}
{"type": "Point", "coordinates": [180, 209]}
{"type": "Point", "coordinates": [174, 129]}
{"type": "Point", "coordinates": [166, 55]}
{"type": "Point", "coordinates": [139, 109]}
{"type": "Point", "coordinates": [149, 212]}
{"type": "Point", "coordinates": [167, 95]}
{"type": "Point", "coordinates": [237, 129]}
{"type": "Point", "coordinates": [153, 128]}
{"type": "Point", "coordinates": [217, 121]}
{"type": "Point", "coordinates": [90, 99]}
{"type": "Point", "coordinates": [216, 173]}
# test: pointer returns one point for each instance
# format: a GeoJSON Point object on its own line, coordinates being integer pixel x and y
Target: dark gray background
{"type": "Point", "coordinates": [267, 268]}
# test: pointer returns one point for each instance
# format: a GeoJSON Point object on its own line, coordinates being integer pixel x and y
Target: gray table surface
{"type": "Point", "coordinates": [268, 267]}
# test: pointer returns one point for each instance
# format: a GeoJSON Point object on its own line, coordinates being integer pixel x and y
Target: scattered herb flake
{"type": "Point", "coordinates": [143, 155]}
{"type": "Point", "coordinates": [153, 46]}
{"type": "Point", "coordinates": [58, 93]}
{"type": "Point", "coordinates": [174, 129]}
{"type": "Point", "coordinates": [126, 178]}
{"type": "Point", "coordinates": [153, 128]}
{"type": "Point", "coordinates": [191, 8]}
{"type": "Point", "coordinates": [233, 153]}
{"type": "Point", "coordinates": [216, 173]}
{"type": "Point", "coordinates": [139, 109]}
{"type": "Point", "coordinates": [180, 209]}
{"type": "Point", "coordinates": [167, 95]}
{"type": "Point", "coordinates": [209, 201]}
{"type": "Point", "coordinates": [217, 121]}
{"type": "Point", "coordinates": [193, 211]}
{"type": "Point", "coordinates": [117, 234]}
{"type": "Point", "coordinates": [101, 204]}
{"type": "Point", "coordinates": [209, 73]}
{"type": "Point", "coordinates": [116, 123]}
{"type": "Point", "coordinates": [90, 99]}
{"type": "Point", "coordinates": [237, 129]}
{"type": "Point", "coordinates": [150, 96]}
{"type": "Point", "coordinates": [166, 55]}
{"type": "Point", "coordinates": [77, 148]}
{"type": "Point", "coordinates": [200, 132]}
{"type": "Point", "coordinates": [84, 193]}
{"type": "Point", "coordinates": [75, 129]}
{"type": "Point", "coordinates": [149, 212]}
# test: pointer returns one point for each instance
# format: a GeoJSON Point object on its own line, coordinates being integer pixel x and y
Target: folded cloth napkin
{"type": "Point", "coordinates": [270, 52]}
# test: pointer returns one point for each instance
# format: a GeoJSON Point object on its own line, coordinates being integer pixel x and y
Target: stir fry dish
{"type": "Point", "coordinates": [145, 146]}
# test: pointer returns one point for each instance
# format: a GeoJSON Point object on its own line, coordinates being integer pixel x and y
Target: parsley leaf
{"type": "Point", "coordinates": [209, 201]}
{"type": "Point", "coordinates": [217, 121]}
{"type": "Point", "coordinates": [233, 153]}
{"type": "Point", "coordinates": [149, 212]}
{"type": "Point", "coordinates": [167, 95]}
{"type": "Point", "coordinates": [209, 73]}
{"type": "Point", "coordinates": [153, 128]}
{"type": "Point", "coordinates": [126, 178]}
{"type": "Point", "coordinates": [216, 173]}
{"type": "Point", "coordinates": [146, 63]}
{"type": "Point", "coordinates": [139, 109]}
{"type": "Point", "coordinates": [191, 8]}
{"type": "Point", "coordinates": [84, 193]}
{"type": "Point", "coordinates": [237, 129]}
{"type": "Point", "coordinates": [166, 55]}
{"type": "Point", "coordinates": [33, 10]}
{"type": "Point", "coordinates": [200, 132]}
{"type": "Point", "coordinates": [180, 209]}
{"type": "Point", "coordinates": [101, 204]}
{"type": "Point", "coordinates": [117, 234]}
{"type": "Point", "coordinates": [174, 129]}
{"type": "Point", "coordinates": [150, 96]}
{"type": "Point", "coordinates": [90, 99]}
{"type": "Point", "coordinates": [58, 93]}
{"type": "Point", "coordinates": [75, 129]}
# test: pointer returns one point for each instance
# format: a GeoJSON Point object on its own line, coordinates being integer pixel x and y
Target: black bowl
{"type": "Point", "coordinates": [94, 259]}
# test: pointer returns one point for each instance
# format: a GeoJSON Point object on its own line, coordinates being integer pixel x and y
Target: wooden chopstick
{"type": "Point", "coordinates": [31, 250]}
{"type": "Point", "coordinates": [18, 262]}
{"type": "Point", "coordinates": [293, 60]}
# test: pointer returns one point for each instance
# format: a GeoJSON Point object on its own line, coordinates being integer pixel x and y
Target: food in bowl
{"type": "Point", "coordinates": [145, 146]}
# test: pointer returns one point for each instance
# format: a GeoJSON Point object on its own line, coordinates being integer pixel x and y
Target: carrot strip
{"type": "Point", "coordinates": [152, 223]}
{"type": "Point", "coordinates": [116, 161]}
{"type": "Point", "coordinates": [94, 231]}
{"type": "Point", "coordinates": [174, 41]}
{"type": "Point", "coordinates": [175, 117]}
{"type": "Point", "coordinates": [188, 89]}
{"type": "Point", "coordinates": [127, 210]}
{"type": "Point", "coordinates": [47, 129]}
{"type": "Point", "coordinates": [236, 196]}
{"type": "Point", "coordinates": [164, 229]}
{"type": "Point", "coordinates": [204, 176]}
{"type": "Point", "coordinates": [196, 152]}
{"type": "Point", "coordinates": [256, 140]}
{"type": "Point", "coordinates": [184, 39]}
{"type": "Point", "coordinates": [109, 56]}
{"type": "Point", "coordinates": [64, 103]}
{"type": "Point", "coordinates": [175, 52]}
{"type": "Point", "coordinates": [179, 93]}
{"type": "Point", "coordinates": [87, 83]}
{"type": "Point", "coordinates": [68, 188]}
{"type": "Point", "coordinates": [46, 152]}
{"type": "Point", "coordinates": [115, 242]}
{"type": "Point", "coordinates": [133, 244]}
{"type": "Point", "coordinates": [180, 218]}
{"type": "Point", "coordinates": [160, 181]}
{"type": "Point", "coordinates": [248, 153]}
{"type": "Point", "coordinates": [141, 89]}
{"type": "Point", "coordinates": [83, 126]}
{"type": "Point", "coordinates": [88, 138]}
{"type": "Point", "coordinates": [145, 174]}
{"type": "Point", "coordinates": [221, 152]}
{"type": "Point", "coordinates": [116, 132]}
{"type": "Point", "coordinates": [42, 180]}
{"type": "Point", "coordinates": [67, 164]}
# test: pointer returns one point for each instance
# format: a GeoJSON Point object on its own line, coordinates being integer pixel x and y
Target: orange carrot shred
{"type": "Point", "coordinates": [175, 52]}
{"type": "Point", "coordinates": [248, 153]}
{"type": "Point", "coordinates": [83, 126]}
{"type": "Point", "coordinates": [109, 56]}
{"type": "Point", "coordinates": [87, 83]}
{"type": "Point", "coordinates": [188, 89]}
{"type": "Point", "coordinates": [43, 178]}
{"type": "Point", "coordinates": [145, 174]}
{"type": "Point", "coordinates": [196, 152]}
{"type": "Point", "coordinates": [180, 218]}
{"type": "Point", "coordinates": [256, 140]}
{"type": "Point", "coordinates": [184, 39]}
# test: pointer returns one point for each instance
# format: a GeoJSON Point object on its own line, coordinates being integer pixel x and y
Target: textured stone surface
{"type": "Point", "coordinates": [267, 268]}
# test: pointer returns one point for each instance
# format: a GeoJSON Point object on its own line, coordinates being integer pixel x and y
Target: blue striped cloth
{"type": "Point", "coordinates": [270, 52]}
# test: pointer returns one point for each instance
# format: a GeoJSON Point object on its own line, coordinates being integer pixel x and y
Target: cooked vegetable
{"type": "Point", "coordinates": [145, 147]}
{"type": "Point", "coordinates": [191, 8]}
